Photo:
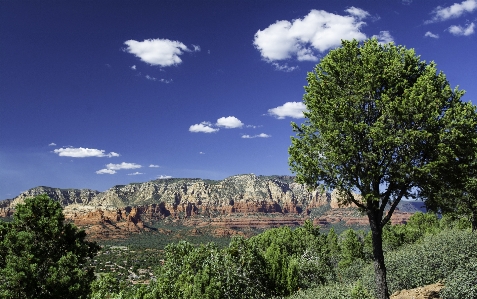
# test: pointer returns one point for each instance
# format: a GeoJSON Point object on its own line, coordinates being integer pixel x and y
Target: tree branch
{"type": "Point", "coordinates": [393, 207]}
{"type": "Point", "coordinates": [357, 203]}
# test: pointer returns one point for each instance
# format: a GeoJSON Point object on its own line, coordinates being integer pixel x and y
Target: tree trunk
{"type": "Point", "coordinates": [375, 218]}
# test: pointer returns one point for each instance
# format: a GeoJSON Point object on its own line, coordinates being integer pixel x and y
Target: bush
{"type": "Point", "coordinates": [426, 262]}
{"type": "Point", "coordinates": [42, 256]}
{"type": "Point", "coordinates": [462, 283]}
{"type": "Point", "coordinates": [334, 291]}
{"type": "Point", "coordinates": [207, 272]}
{"type": "Point", "coordinates": [331, 291]}
{"type": "Point", "coordinates": [294, 258]}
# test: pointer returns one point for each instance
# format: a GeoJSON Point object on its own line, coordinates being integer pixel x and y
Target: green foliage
{"type": "Point", "coordinates": [450, 221]}
{"type": "Point", "coordinates": [334, 291]}
{"type": "Point", "coordinates": [360, 292]}
{"type": "Point", "coordinates": [106, 286]}
{"type": "Point", "coordinates": [462, 283]}
{"type": "Point", "coordinates": [383, 123]}
{"type": "Point", "coordinates": [351, 248]}
{"type": "Point", "coordinates": [208, 272]}
{"type": "Point", "coordinates": [41, 256]}
{"type": "Point", "coordinates": [294, 258]}
{"type": "Point", "coordinates": [329, 291]}
{"type": "Point", "coordinates": [418, 225]}
{"type": "Point", "coordinates": [434, 258]}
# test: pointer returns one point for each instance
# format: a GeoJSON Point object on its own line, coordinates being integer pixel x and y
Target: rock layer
{"type": "Point", "coordinates": [241, 201]}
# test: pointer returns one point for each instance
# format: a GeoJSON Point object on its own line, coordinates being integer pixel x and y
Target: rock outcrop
{"type": "Point", "coordinates": [240, 201]}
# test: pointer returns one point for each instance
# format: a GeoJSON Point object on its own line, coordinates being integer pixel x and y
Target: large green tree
{"type": "Point", "coordinates": [381, 123]}
{"type": "Point", "coordinates": [41, 256]}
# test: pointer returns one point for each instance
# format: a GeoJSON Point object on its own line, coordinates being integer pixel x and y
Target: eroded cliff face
{"type": "Point", "coordinates": [236, 202]}
{"type": "Point", "coordinates": [187, 197]}
{"type": "Point", "coordinates": [64, 196]}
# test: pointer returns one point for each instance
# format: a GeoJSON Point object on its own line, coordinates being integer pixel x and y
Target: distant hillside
{"type": "Point", "coordinates": [237, 202]}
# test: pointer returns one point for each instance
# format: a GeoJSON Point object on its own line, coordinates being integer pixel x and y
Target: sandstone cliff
{"type": "Point", "coordinates": [235, 202]}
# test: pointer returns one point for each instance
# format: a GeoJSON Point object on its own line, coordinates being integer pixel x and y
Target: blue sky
{"type": "Point", "coordinates": [99, 93]}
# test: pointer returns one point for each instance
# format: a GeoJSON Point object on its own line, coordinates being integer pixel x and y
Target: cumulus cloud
{"type": "Point", "coordinates": [161, 52]}
{"type": "Point", "coordinates": [52, 144]}
{"type": "Point", "coordinates": [459, 30]}
{"type": "Point", "coordinates": [106, 171]}
{"type": "Point", "coordinates": [135, 173]}
{"type": "Point", "coordinates": [123, 165]}
{"type": "Point", "coordinates": [203, 127]}
{"type": "Point", "coordinates": [384, 37]}
{"type": "Point", "coordinates": [430, 34]}
{"type": "Point", "coordinates": [357, 12]}
{"type": "Point", "coordinates": [440, 13]}
{"type": "Point", "coordinates": [133, 67]}
{"type": "Point", "coordinates": [196, 48]}
{"type": "Point", "coordinates": [112, 168]}
{"type": "Point", "coordinates": [81, 152]}
{"type": "Point", "coordinates": [302, 38]}
{"type": "Point", "coordinates": [261, 135]}
{"type": "Point", "coordinates": [289, 109]}
{"type": "Point", "coordinates": [229, 122]}
{"type": "Point", "coordinates": [154, 166]}
{"type": "Point", "coordinates": [162, 177]}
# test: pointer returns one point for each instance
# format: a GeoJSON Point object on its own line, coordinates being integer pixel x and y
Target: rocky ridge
{"type": "Point", "coordinates": [240, 201]}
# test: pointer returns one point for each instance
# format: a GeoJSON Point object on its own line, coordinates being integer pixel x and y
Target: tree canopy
{"type": "Point", "coordinates": [41, 256]}
{"type": "Point", "coordinates": [384, 124]}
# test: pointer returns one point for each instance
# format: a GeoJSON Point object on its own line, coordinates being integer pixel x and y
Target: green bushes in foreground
{"type": "Point", "coordinates": [433, 259]}
{"type": "Point", "coordinates": [304, 263]}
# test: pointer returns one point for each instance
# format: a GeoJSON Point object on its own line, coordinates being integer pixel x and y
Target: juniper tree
{"type": "Point", "coordinates": [42, 256]}
{"type": "Point", "coordinates": [381, 123]}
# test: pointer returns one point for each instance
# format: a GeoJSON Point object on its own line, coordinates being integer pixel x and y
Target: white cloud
{"type": "Point", "coordinates": [81, 152]}
{"type": "Point", "coordinates": [357, 12]}
{"type": "Point", "coordinates": [106, 171]}
{"type": "Point", "coordinates": [229, 122]}
{"type": "Point", "coordinates": [201, 153]}
{"type": "Point", "coordinates": [301, 38]}
{"type": "Point", "coordinates": [253, 126]}
{"type": "Point", "coordinates": [154, 166]}
{"type": "Point", "coordinates": [135, 173]}
{"type": "Point", "coordinates": [203, 127]}
{"type": "Point", "coordinates": [284, 67]}
{"type": "Point", "coordinates": [52, 144]}
{"type": "Point", "coordinates": [451, 12]}
{"type": "Point", "coordinates": [289, 109]}
{"type": "Point", "coordinates": [162, 52]}
{"type": "Point", "coordinates": [111, 168]}
{"type": "Point", "coordinates": [430, 34]}
{"type": "Point", "coordinates": [459, 30]}
{"type": "Point", "coordinates": [150, 78]}
{"type": "Point", "coordinates": [261, 135]}
{"type": "Point", "coordinates": [133, 67]}
{"type": "Point", "coordinates": [196, 48]}
{"type": "Point", "coordinates": [162, 177]}
{"type": "Point", "coordinates": [123, 165]}
{"type": "Point", "coordinates": [159, 80]}
{"type": "Point", "coordinates": [384, 37]}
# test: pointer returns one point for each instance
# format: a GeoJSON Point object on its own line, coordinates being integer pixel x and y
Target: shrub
{"type": "Point", "coordinates": [462, 283]}
{"type": "Point", "coordinates": [426, 262]}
